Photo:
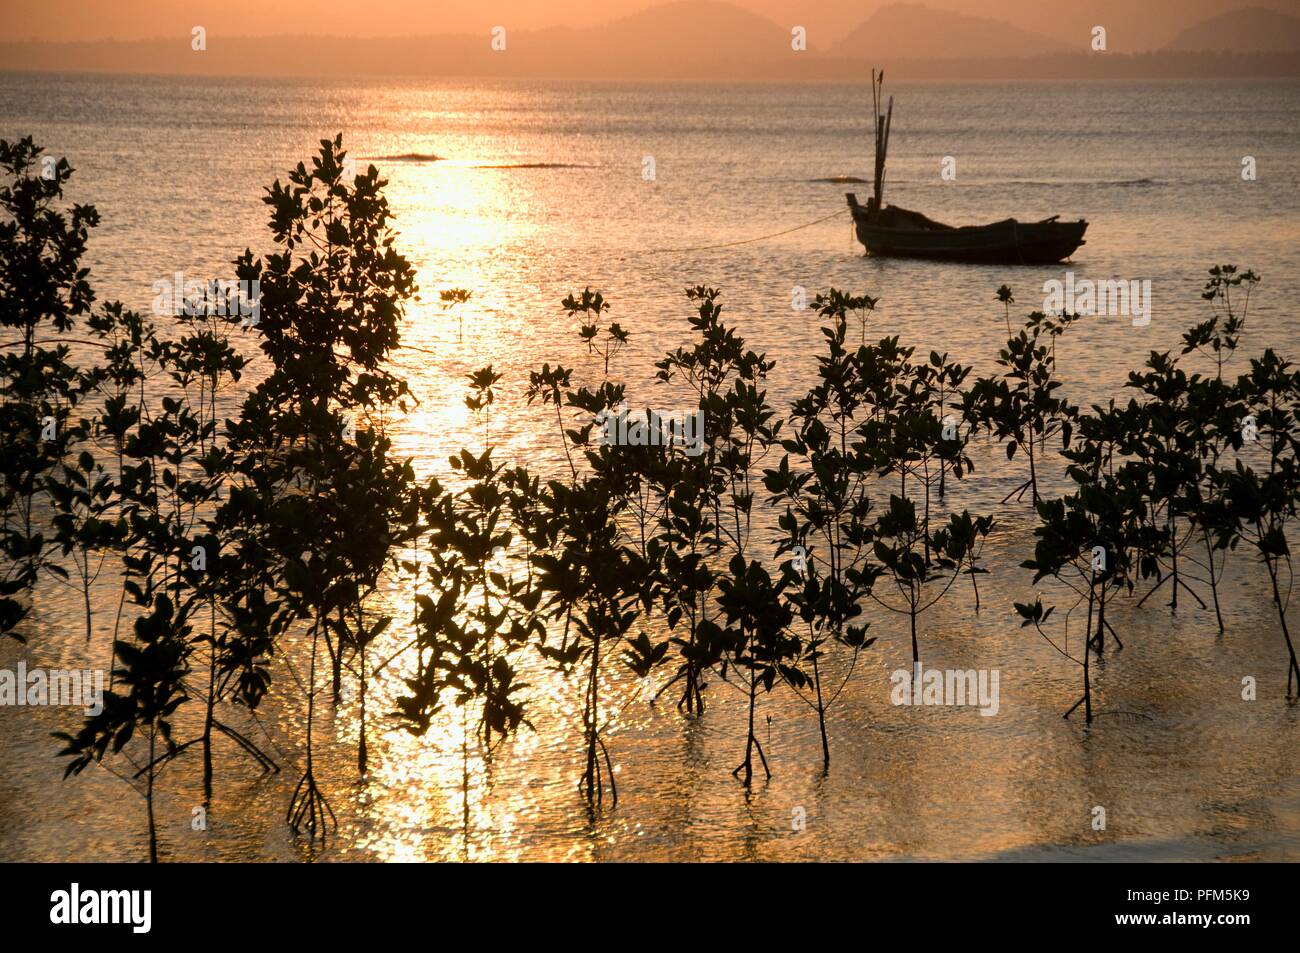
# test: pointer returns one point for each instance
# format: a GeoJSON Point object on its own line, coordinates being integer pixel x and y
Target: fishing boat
{"type": "Point", "coordinates": [888, 230]}
{"type": "Point", "coordinates": [899, 233]}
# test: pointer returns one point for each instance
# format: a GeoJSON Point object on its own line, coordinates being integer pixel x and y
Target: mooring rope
{"type": "Point", "coordinates": [747, 241]}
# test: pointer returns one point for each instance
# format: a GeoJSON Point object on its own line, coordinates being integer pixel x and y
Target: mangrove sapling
{"type": "Point", "coordinates": [1258, 508]}
{"type": "Point", "coordinates": [81, 497]}
{"type": "Point", "coordinates": [571, 593]}
{"type": "Point", "coordinates": [1007, 299]}
{"type": "Point", "coordinates": [43, 291]}
{"type": "Point", "coordinates": [825, 595]}
{"type": "Point", "coordinates": [1096, 541]}
{"type": "Point", "coordinates": [1020, 405]}
{"type": "Point", "coordinates": [925, 435]}
{"type": "Point", "coordinates": [639, 476]}
{"type": "Point", "coordinates": [120, 385]}
{"type": "Point", "coordinates": [970, 533]}
{"type": "Point", "coordinates": [1214, 410]}
{"type": "Point", "coordinates": [1215, 414]}
{"type": "Point", "coordinates": [622, 472]}
{"type": "Point", "coordinates": [589, 581]}
{"type": "Point", "coordinates": [1004, 294]}
{"type": "Point", "coordinates": [201, 362]}
{"type": "Point", "coordinates": [922, 565]}
{"type": "Point", "coordinates": [755, 640]}
{"type": "Point", "coordinates": [826, 607]}
{"type": "Point", "coordinates": [882, 374]}
{"type": "Point", "coordinates": [330, 307]}
{"type": "Point", "coordinates": [717, 370]}
{"type": "Point", "coordinates": [317, 585]}
{"type": "Point", "coordinates": [152, 667]}
{"type": "Point", "coordinates": [155, 484]}
{"type": "Point", "coordinates": [825, 519]}
{"type": "Point", "coordinates": [150, 680]}
{"type": "Point", "coordinates": [681, 579]}
{"type": "Point", "coordinates": [370, 516]}
{"type": "Point", "coordinates": [456, 299]}
{"type": "Point", "coordinates": [504, 615]}
{"type": "Point", "coordinates": [588, 573]}
{"type": "Point", "coordinates": [838, 305]}
{"type": "Point", "coordinates": [1106, 436]}
{"type": "Point", "coordinates": [758, 643]}
{"type": "Point", "coordinates": [905, 429]}
{"type": "Point", "coordinates": [689, 536]}
{"type": "Point", "coordinates": [1163, 444]}
{"type": "Point", "coordinates": [591, 305]}
{"type": "Point", "coordinates": [940, 381]}
{"type": "Point", "coordinates": [1220, 334]}
{"type": "Point", "coordinates": [473, 621]}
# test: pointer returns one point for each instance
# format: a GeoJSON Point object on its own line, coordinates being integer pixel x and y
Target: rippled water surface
{"type": "Point", "coordinates": [539, 191]}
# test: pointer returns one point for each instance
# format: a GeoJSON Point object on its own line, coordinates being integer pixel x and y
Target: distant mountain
{"type": "Point", "coordinates": [913, 31]}
{"type": "Point", "coordinates": [677, 35]}
{"type": "Point", "coordinates": [694, 28]}
{"type": "Point", "coordinates": [1132, 26]}
{"type": "Point", "coordinates": [1249, 30]}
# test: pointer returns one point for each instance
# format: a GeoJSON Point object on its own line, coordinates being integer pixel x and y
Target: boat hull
{"type": "Point", "coordinates": [1001, 243]}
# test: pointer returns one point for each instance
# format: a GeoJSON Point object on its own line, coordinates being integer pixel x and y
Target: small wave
{"type": "Point", "coordinates": [406, 157]}
{"type": "Point", "coordinates": [842, 180]}
{"type": "Point", "coordinates": [1102, 183]}
{"type": "Point", "coordinates": [537, 165]}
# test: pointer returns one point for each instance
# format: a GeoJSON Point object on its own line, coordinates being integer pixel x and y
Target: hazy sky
{"type": "Point", "coordinates": [1131, 24]}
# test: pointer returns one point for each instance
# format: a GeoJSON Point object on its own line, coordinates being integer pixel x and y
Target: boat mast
{"type": "Point", "coordinates": [880, 123]}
